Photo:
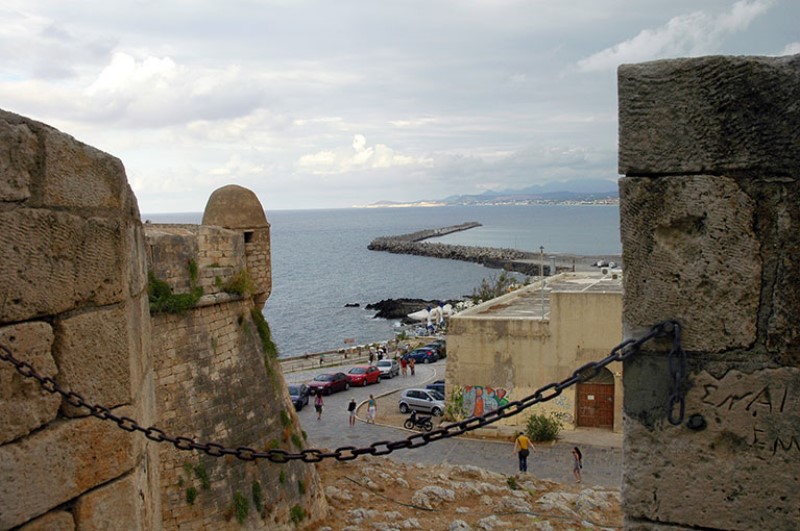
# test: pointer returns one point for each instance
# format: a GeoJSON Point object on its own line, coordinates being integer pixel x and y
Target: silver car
{"type": "Point", "coordinates": [426, 400]}
{"type": "Point", "coordinates": [389, 368]}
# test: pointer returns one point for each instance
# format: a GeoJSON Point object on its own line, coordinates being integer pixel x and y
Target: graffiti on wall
{"type": "Point", "coordinates": [479, 400]}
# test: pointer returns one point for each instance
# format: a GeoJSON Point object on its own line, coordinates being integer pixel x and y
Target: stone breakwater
{"type": "Point", "coordinates": [524, 262]}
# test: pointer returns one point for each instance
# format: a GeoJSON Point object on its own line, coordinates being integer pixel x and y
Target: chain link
{"type": "Point", "coordinates": [677, 369]}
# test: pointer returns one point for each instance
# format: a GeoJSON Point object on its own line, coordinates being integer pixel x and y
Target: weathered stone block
{"type": "Point", "coordinates": [690, 253]}
{"type": "Point", "coordinates": [52, 521]}
{"type": "Point", "coordinates": [79, 176]}
{"type": "Point", "coordinates": [96, 352]}
{"type": "Point", "coordinates": [710, 114]}
{"type": "Point", "coordinates": [740, 471]}
{"type": "Point", "coordinates": [24, 405]}
{"type": "Point", "coordinates": [18, 146]}
{"type": "Point", "coordinates": [54, 261]}
{"type": "Point", "coordinates": [58, 463]}
{"type": "Point", "coordinates": [110, 505]}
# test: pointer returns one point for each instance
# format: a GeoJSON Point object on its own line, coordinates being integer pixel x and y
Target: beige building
{"type": "Point", "coordinates": [506, 348]}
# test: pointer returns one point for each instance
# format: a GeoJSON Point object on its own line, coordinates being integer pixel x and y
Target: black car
{"type": "Point", "coordinates": [299, 395]}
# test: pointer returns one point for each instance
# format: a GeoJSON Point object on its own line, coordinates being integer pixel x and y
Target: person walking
{"type": "Point", "coordinates": [523, 447]}
{"type": "Point", "coordinates": [318, 403]}
{"type": "Point", "coordinates": [372, 410]}
{"type": "Point", "coordinates": [411, 364]}
{"type": "Point", "coordinates": [578, 463]}
{"type": "Point", "coordinates": [404, 366]}
{"type": "Point", "coordinates": [351, 408]}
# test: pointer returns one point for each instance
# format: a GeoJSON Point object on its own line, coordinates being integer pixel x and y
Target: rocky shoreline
{"type": "Point", "coordinates": [400, 308]}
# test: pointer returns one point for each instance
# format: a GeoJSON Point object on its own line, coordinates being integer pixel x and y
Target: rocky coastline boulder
{"type": "Point", "coordinates": [400, 308]}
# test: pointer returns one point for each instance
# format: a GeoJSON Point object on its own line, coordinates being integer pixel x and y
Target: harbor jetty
{"type": "Point", "coordinates": [524, 262]}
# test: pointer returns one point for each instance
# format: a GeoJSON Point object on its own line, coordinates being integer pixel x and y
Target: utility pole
{"type": "Point", "coordinates": [541, 270]}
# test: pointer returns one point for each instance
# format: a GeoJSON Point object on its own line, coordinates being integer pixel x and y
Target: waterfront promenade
{"type": "Point", "coordinates": [602, 450]}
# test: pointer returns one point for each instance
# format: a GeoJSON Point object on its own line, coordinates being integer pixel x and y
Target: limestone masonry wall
{"type": "Point", "coordinates": [215, 385]}
{"type": "Point", "coordinates": [74, 304]}
{"type": "Point", "coordinates": [710, 215]}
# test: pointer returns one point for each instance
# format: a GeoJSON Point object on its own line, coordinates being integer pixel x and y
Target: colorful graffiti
{"type": "Point", "coordinates": [479, 400]}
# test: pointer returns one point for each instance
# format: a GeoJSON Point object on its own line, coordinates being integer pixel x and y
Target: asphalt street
{"type": "Point", "coordinates": [602, 452]}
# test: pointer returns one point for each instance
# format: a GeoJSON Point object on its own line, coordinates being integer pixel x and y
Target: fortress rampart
{"type": "Point", "coordinates": [74, 304]}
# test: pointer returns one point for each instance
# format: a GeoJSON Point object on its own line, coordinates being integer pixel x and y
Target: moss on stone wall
{"type": "Point", "coordinates": [163, 300]}
{"type": "Point", "coordinates": [270, 350]}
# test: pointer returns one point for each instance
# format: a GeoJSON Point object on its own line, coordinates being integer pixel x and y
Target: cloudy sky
{"type": "Point", "coordinates": [332, 103]}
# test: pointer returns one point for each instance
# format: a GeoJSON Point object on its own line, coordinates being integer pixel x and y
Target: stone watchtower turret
{"type": "Point", "coordinates": [236, 208]}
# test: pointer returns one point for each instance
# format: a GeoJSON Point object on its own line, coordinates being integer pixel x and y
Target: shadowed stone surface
{"type": "Point", "coordinates": [710, 113]}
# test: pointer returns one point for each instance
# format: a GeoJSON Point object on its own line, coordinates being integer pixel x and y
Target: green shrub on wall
{"type": "Point", "coordinates": [163, 300]}
{"type": "Point", "coordinates": [240, 507]}
{"type": "Point", "coordinates": [239, 284]}
{"type": "Point", "coordinates": [296, 514]}
{"type": "Point", "coordinates": [270, 350]}
{"type": "Point", "coordinates": [454, 407]}
{"type": "Point", "coordinates": [258, 495]}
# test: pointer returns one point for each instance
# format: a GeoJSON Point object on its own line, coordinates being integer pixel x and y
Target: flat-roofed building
{"type": "Point", "coordinates": [504, 349]}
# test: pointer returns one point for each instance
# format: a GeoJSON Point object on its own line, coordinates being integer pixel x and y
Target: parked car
{"type": "Point", "coordinates": [423, 355]}
{"type": "Point", "coordinates": [389, 368]}
{"type": "Point", "coordinates": [438, 385]}
{"type": "Point", "coordinates": [328, 383]}
{"type": "Point", "coordinates": [426, 400]}
{"type": "Point", "coordinates": [299, 395]}
{"type": "Point", "coordinates": [440, 345]}
{"type": "Point", "coordinates": [363, 375]}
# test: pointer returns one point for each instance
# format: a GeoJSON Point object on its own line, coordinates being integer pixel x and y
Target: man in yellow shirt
{"type": "Point", "coordinates": [523, 447]}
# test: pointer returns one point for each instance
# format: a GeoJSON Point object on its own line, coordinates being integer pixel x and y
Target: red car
{"type": "Point", "coordinates": [329, 383]}
{"type": "Point", "coordinates": [363, 375]}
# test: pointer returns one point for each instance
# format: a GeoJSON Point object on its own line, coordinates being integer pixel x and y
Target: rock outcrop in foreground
{"type": "Point", "coordinates": [379, 493]}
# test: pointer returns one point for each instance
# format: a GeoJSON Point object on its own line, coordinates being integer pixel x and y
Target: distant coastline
{"type": "Point", "coordinates": [505, 202]}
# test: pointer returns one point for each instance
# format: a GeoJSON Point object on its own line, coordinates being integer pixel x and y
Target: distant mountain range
{"type": "Point", "coordinates": [594, 191]}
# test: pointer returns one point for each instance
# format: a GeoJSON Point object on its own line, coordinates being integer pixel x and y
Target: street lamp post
{"type": "Point", "coordinates": [541, 271]}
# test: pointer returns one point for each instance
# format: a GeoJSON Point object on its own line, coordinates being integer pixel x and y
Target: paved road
{"type": "Point", "coordinates": [602, 461]}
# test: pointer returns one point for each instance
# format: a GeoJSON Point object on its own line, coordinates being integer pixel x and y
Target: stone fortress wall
{"type": "Point", "coordinates": [214, 380]}
{"type": "Point", "coordinates": [74, 304]}
{"type": "Point", "coordinates": [710, 217]}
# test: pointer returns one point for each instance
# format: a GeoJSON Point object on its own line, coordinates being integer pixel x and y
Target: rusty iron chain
{"type": "Point", "coordinates": [346, 453]}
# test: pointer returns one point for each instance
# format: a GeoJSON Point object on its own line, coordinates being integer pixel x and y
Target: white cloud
{"type": "Point", "coordinates": [361, 157]}
{"type": "Point", "coordinates": [791, 49]}
{"type": "Point", "coordinates": [686, 35]}
{"type": "Point", "coordinates": [286, 98]}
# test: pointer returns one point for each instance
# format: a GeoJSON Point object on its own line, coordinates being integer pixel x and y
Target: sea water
{"type": "Point", "coordinates": [320, 261]}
